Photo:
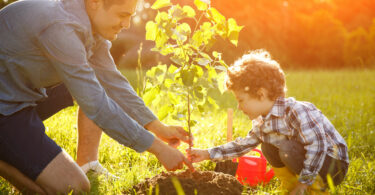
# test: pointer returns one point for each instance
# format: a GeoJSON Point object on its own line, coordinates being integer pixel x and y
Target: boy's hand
{"type": "Point", "coordinates": [197, 155]}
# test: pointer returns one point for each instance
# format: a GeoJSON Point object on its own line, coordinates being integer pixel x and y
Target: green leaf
{"type": "Point", "coordinates": [168, 83]}
{"type": "Point", "coordinates": [151, 72]}
{"type": "Point", "coordinates": [161, 3]}
{"type": "Point", "coordinates": [150, 95]}
{"type": "Point", "coordinates": [160, 69]}
{"type": "Point", "coordinates": [173, 98]}
{"type": "Point", "coordinates": [166, 50]}
{"type": "Point", "coordinates": [206, 56]}
{"type": "Point", "coordinates": [223, 63]}
{"type": "Point", "coordinates": [172, 69]}
{"type": "Point", "coordinates": [164, 111]}
{"type": "Point", "coordinates": [181, 32]}
{"type": "Point", "coordinates": [184, 28]}
{"type": "Point", "coordinates": [217, 16]}
{"type": "Point", "coordinates": [177, 60]}
{"type": "Point", "coordinates": [161, 39]}
{"type": "Point", "coordinates": [233, 37]}
{"type": "Point", "coordinates": [198, 94]}
{"type": "Point", "coordinates": [187, 77]}
{"type": "Point", "coordinates": [189, 11]}
{"type": "Point", "coordinates": [201, 5]}
{"type": "Point", "coordinates": [233, 31]}
{"type": "Point", "coordinates": [201, 108]}
{"type": "Point", "coordinates": [198, 70]}
{"type": "Point", "coordinates": [206, 35]}
{"type": "Point", "coordinates": [212, 102]}
{"type": "Point", "coordinates": [162, 18]}
{"type": "Point", "coordinates": [232, 25]}
{"type": "Point", "coordinates": [197, 39]}
{"type": "Point", "coordinates": [203, 61]}
{"type": "Point", "coordinates": [221, 68]}
{"type": "Point", "coordinates": [151, 30]}
{"type": "Point", "coordinates": [216, 54]}
{"type": "Point", "coordinates": [221, 82]}
{"type": "Point", "coordinates": [211, 73]}
{"type": "Point", "coordinates": [193, 123]}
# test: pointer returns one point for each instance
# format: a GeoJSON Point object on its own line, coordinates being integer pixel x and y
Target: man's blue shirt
{"type": "Point", "coordinates": [46, 42]}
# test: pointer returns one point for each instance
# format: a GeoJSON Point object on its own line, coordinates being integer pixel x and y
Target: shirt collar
{"type": "Point", "coordinates": [278, 109]}
{"type": "Point", "coordinates": [77, 9]}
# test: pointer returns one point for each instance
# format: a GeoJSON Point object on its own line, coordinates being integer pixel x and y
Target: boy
{"type": "Point", "coordinates": [296, 137]}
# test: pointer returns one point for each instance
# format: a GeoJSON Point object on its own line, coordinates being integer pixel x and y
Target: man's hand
{"type": "Point", "coordinates": [170, 134]}
{"type": "Point", "coordinates": [197, 155]}
{"type": "Point", "coordinates": [299, 189]}
{"type": "Point", "coordinates": [171, 158]}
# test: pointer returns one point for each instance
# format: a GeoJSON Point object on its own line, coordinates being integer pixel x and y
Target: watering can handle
{"type": "Point", "coordinates": [260, 152]}
{"type": "Point", "coordinates": [270, 173]}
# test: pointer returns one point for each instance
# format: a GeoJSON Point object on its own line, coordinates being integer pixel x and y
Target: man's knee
{"type": "Point", "coordinates": [82, 185]}
{"type": "Point", "coordinates": [77, 186]}
{"type": "Point", "coordinates": [63, 175]}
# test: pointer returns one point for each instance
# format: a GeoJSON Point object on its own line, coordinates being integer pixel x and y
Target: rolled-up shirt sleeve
{"type": "Point", "coordinates": [64, 47]}
{"type": "Point", "coordinates": [117, 86]}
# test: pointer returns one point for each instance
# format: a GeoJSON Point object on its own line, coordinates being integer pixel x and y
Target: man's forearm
{"type": "Point", "coordinates": [154, 126]}
{"type": "Point", "coordinates": [156, 147]}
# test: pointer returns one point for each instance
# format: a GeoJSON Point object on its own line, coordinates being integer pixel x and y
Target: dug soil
{"type": "Point", "coordinates": [199, 182]}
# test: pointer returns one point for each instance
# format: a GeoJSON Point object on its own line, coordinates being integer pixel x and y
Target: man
{"type": "Point", "coordinates": [45, 43]}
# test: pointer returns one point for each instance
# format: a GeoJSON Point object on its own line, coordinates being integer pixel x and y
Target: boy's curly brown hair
{"type": "Point", "coordinates": [256, 70]}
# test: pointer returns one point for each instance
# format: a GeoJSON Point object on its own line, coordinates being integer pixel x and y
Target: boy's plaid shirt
{"type": "Point", "coordinates": [291, 120]}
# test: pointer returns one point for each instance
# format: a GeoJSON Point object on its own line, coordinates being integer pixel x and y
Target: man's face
{"type": "Point", "coordinates": [109, 21]}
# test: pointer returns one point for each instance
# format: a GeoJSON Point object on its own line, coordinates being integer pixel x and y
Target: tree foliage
{"type": "Point", "coordinates": [186, 35]}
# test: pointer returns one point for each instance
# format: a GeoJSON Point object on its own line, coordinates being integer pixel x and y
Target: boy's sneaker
{"type": "Point", "coordinates": [98, 169]}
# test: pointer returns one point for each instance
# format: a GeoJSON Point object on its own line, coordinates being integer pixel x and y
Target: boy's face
{"type": "Point", "coordinates": [109, 21]}
{"type": "Point", "coordinates": [253, 107]}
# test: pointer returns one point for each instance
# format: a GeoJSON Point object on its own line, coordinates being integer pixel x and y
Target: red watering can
{"type": "Point", "coordinates": [252, 171]}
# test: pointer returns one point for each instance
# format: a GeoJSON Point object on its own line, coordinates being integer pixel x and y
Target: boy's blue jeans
{"type": "Point", "coordinates": [292, 155]}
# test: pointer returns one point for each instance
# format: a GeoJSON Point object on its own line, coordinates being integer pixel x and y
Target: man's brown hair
{"type": "Point", "coordinates": [108, 3]}
{"type": "Point", "coordinates": [256, 70]}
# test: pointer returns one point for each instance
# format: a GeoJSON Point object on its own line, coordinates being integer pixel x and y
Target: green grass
{"type": "Point", "coordinates": [346, 97]}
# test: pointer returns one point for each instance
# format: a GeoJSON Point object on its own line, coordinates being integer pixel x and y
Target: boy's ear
{"type": "Point", "coordinates": [94, 4]}
{"type": "Point", "coordinates": [262, 93]}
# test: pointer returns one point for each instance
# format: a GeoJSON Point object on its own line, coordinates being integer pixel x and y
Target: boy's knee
{"type": "Point", "coordinates": [272, 155]}
{"type": "Point", "coordinates": [290, 145]}
{"type": "Point", "coordinates": [292, 154]}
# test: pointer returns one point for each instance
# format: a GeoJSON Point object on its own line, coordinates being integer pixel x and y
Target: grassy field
{"type": "Point", "coordinates": [346, 97]}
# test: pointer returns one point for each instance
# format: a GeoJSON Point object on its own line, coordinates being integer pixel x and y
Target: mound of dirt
{"type": "Point", "coordinates": [203, 182]}
{"type": "Point", "coordinates": [227, 166]}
